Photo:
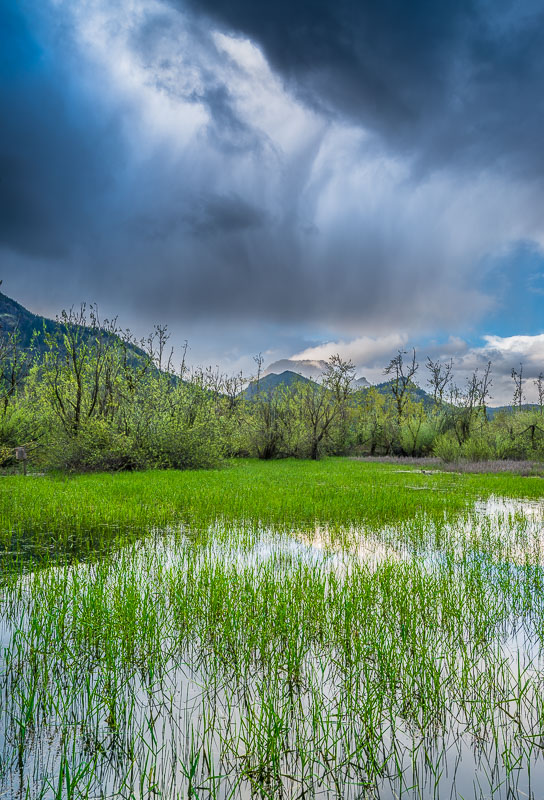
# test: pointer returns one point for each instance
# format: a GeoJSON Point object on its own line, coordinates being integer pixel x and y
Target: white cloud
{"type": "Point", "coordinates": [363, 351]}
{"type": "Point", "coordinates": [529, 348]}
{"type": "Point", "coordinates": [371, 355]}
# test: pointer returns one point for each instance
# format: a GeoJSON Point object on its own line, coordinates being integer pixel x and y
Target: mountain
{"type": "Point", "coordinates": [306, 367]}
{"type": "Point", "coordinates": [272, 381]}
{"type": "Point", "coordinates": [416, 392]}
{"type": "Point", "coordinates": [15, 316]}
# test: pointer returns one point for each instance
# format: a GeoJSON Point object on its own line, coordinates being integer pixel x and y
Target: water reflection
{"type": "Point", "coordinates": [196, 729]}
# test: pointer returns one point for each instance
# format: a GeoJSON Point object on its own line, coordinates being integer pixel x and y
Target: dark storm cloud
{"type": "Point", "coordinates": [57, 146]}
{"type": "Point", "coordinates": [443, 82]}
{"type": "Point", "coordinates": [166, 169]}
{"type": "Point", "coordinates": [223, 214]}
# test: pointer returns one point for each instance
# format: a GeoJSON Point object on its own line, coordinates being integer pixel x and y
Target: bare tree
{"type": "Point", "coordinates": [471, 403]}
{"type": "Point", "coordinates": [539, 383]}
{"type": "Point", "coordinates": [259, 360]}
{"type": "Point", "coordinates": [232, 390]}
{"type": "Point", "coordinates": [325, 403]}
{"type": "Point", "coordinates": [485, 386]}
{"type": "Point", "coordinates": [158, 350]}
{"type": "Point", "coordinates": [269, 412]}
{"type": "Point", "coordinates": [318, 411]}
{"type": "Point", "coordinates": [517, 377]}
{"type": "Point", "coordinates": [441, 376]}
{"type": "Point", "coordinates": [338, 376]}
{"type": "Point", "coordinates": [402, 380]}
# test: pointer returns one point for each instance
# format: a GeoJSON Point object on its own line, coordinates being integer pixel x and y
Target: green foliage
{"type": "Point", "coordinates": [447, 447]}
{"type": "Point", "coordinates": [477, 448]}
{"type": "Point", "coordinates": [97, 447]}
{"type": "Point", "coordinates": [84, 395]}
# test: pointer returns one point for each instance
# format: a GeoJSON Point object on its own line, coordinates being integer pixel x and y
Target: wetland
{"type": "Point", "coordinates": [333, 629]}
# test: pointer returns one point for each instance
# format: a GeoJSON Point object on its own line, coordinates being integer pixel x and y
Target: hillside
{"type": "Point", "coordinates": [269, 383]}
{"type": "Point", "coordinates": [416, 392]}
{"type": "Point", "coordinates": [493, 411]}
{"type": "Point", "coordinates": [15, 316]}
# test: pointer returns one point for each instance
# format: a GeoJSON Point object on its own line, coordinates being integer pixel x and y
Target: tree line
{"type": "Point", "coordinates": [87, 395]}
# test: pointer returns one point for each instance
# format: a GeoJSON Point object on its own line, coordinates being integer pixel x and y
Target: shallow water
{"type": "Point", "coordinates": [196, 724]}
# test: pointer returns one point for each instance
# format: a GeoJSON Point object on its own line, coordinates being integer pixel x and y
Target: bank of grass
{"type": "Point", "coordinates": [287, 494]}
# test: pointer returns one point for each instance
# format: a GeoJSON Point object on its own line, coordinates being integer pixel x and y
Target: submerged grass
{"type": "Point", "coordinates": [289, 494]}
{"type": "Point", "coordinates": [297, 630]}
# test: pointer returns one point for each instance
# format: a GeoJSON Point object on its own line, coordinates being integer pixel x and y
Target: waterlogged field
{"type": "Point", "coordinates": [272, 630]}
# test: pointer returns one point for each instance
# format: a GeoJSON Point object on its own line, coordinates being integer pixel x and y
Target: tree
{"type": "Point", "coordinates": [378, 426]}
{"type": "Point", "coordinates": [321, 404]}
{"type": "Point", "coordinates": [414, 418]}
{"type": "Point", "coordinates": [470, 405]}
{"type": "Point", "coordinates": [539, 384]}
{"type": "Point", "coordinates": [440, 378]}
{"type": "Point", "coordinates": [402, 380]}
{"type": "Point", "coordinates": [74, 371]}
{"type": "Point", "coordinates": [15, 363]}
{"type": "Point", "coordinates": [517, 377]}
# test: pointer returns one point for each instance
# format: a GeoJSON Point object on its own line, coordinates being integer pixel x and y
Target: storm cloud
{"type": "Point", "coordinates": [452, 82]}
{"type": "Point", "coordinates": [264, 173]}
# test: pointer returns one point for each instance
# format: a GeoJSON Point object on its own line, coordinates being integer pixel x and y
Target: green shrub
{"type": "Point", "coordinates": [447, 447]}
{"type": "Point", "coordinates": [96, 448]}
{"type": "Point", "coordinates": [477, 448]}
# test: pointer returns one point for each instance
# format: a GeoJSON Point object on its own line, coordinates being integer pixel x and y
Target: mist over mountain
{"type": "Point", "coordinates": [308, 368]}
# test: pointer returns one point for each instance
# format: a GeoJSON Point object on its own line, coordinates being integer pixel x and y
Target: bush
{"type": "Point", "coordinates": [508, 447]}
{"type": "Point", "coordinates": [173, 446]}
{"type": "Point", "coordinates": [423, 439]}
{"type": "Point", "coordinates": [447, 447]}
{"type": "Point", "coordinates": [95, 448]}
{"type": "Point", "coordinates": [477, 448]}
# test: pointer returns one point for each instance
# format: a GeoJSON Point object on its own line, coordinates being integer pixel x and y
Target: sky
{"type": "Point", "coordinates": [295, 179]}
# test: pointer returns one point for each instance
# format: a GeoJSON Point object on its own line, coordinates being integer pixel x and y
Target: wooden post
{"type": "Point", "coordinates": [22, 456]}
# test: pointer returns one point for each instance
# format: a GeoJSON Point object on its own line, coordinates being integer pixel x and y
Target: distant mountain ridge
{"type": "Point", "coordinates": [308, 368]}
{"type": "Point", "coordinates": [272, 381]}
{"type": "Point", "coordinates": [14, 315]}
{"type": "Point", "coordinates": [509, 409]}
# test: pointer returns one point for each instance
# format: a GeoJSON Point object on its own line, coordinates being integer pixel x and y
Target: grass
{"type": "Point", "coordinates": [285, 494]}
{"type": "Point", "coordinates": [285, 629]}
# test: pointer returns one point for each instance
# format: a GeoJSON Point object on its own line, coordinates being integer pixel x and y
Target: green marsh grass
{"type": "Point", "coordinates": [335, 630]}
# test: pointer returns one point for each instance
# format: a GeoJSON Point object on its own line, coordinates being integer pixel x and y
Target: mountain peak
{"type": "Point", "coordinates": [308, 368]}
